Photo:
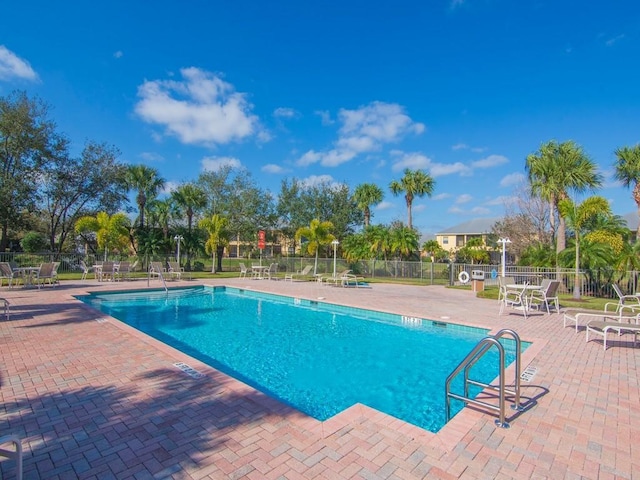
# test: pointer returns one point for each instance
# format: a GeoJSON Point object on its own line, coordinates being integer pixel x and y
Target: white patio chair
{"type": "Point", "coordinates": [516, 299]}
{"type": "Point", "coordinates": [302, 273]}
{"type": "Point", "coordinates": [548, 293]}
{"type": "Point", "coordinates": [243, 270]}
{"type": "Point", "coordinates": [15, 454]}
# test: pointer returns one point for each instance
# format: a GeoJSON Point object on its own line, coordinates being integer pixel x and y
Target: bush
{"type": "Point", "coordinates": [34, 242]}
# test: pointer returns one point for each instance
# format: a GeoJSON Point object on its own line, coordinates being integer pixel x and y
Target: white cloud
{"type": "Point", "coordinates": [151, 157]}
{"type": "Point", "coordinates": [285, 112]}
{"type": "Point", "coordinates": [419, 161]}
{"type": "Point", "coordinates": [612, 41]}
{"type": "Point", "coordinates": [419, 207]}
{"type": "Point", "coordinates": [273, 168]}
{"type": "Point", "coordinates": [464, 198]}
{"type": "Point", "coordinates": [512, 179]}
{"type": "Point", "coordinates": [213, 164]}
{"type": "Point", "coordinates": [441, 169]}
{"type": "Point", "coordinates": [384, 206]}
{"type": "Point", "coordinates": [316, 180]}
{"type": "Point", "coordinates": [200, 109]}
{"type": "Point", "coordinates": [490, 161]}
{"type": "Point", "coordinates": [412, 161]}
{"type": "Point", "coordinates": [500, 200]}
{"type": "Point", "coordinates": [325, 117]}
{"type": "Point", "coordinates": [460, 146]}
{"type": "Point", "coordinates": [441, 196]}
{"type": "Point", "coordinates": [12, 66]}
{"type": "Point", "coordinates": [170, 187]}
{"type": "Point", "coordinates": [364, 130]}
{"type": "Point", "coordinates": [118, 54]}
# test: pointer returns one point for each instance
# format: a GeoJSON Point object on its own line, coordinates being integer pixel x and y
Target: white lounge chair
{"type": "Point", "coordinates": [602, 328]}
{"type": "Point", "coordinates": [625, 302]}
{"type": "Point", "coordinates": [351, 280]}
{"type": "Point", "coordinates": [337, 279]}
{"type": "Point", "coordinates": [581, 317]}
{"type": "Point", "coordinates": [302, 273]}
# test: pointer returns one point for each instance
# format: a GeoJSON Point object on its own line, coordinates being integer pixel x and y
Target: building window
{"type": "Point", "coordinates": [445, 241]}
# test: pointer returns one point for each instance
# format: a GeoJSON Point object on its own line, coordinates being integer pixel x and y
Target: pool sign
{"type": "Point", "coordinates": [261, 239]}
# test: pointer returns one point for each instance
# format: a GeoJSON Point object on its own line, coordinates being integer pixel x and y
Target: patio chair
{"type": "Point", "coordinates": [85, 269]}
{"type": "Point", "coordinates": [9, 273]}
{"type": "Point", "coordinates": [124, 270]}
{"type": "Point", "coordinates": [108, 272]}
{"type": "Point", "coordinates": [45, 274]}
{"type": "Point", "coordinates": [156, 269]}
{"type": "Point", "coordinates": [502, 286]}
{"type": "Point", "coordinates": [548, 293]}
{"type": "Point", "coordinates": [301, 273]}
{"type": "Point", "coordinates": [602, 328]}
{"type": "Point", "coordinates": [336, 279]}
{"type": "Point", "coordinates": [15, 454]}
{"type": "Point", "coordinates": [55, 278]}
{"type": "Point", "coordinates": [175, 270]}
{"type": "Point", "coordinates": [272, 272]}
{"type": "Point", "coordinates": [625, 302]}
{"type": "Point", "coordinates": [351, 280]}
{"type": "Point", "coordinates": [5, 303]}
{"type": "Point", "coordinates": [243, 270]}
{"type": "Point", "coordinates": [516, 299]}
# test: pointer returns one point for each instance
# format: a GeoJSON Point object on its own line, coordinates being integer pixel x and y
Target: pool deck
{"type": "Point", "coordinates": [93, 398]}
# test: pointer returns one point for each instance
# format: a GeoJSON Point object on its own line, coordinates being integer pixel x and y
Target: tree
{"type": "Point", "coordinates": [190, 200]}
{"type": "Point", "coordinates": [555, 169]}
{"type": "Point", "coordinates": [404, 241]}
{"type": "Point", "coordinates": [28, 143]}
{"type": "Point", "coordinates": [316, 235]}
{"type": "Point", "coordinates": [147, 182]}
{"type": "Point", "coordinates": [628, 172]}
{"type": "Point", "coordinates": [112, 232]}
{"type": "Point", "coordinates": [217, 228]}
{"type": "Point", "coordinates": [365, 195]}
{"type": "Point", "coordinates": [435, 251]}
{"type": "Point", "coordinates": [160, 213]}
{"type": "Point", "coordinates": [77, 187]}
{"type": "Point", "coordinates": [577, 217]}
{"type": "Point", "coordinates": [414, 183]}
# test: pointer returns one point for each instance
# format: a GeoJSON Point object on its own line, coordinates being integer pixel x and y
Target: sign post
{"type": "Point", "coordinates": [261, 243]}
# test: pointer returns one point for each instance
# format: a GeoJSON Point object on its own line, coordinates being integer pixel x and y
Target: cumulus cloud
{"type": "Point", "coordinates": [441, 196]}
{"type": "Point", "coordinates": [384, 206]}
{"type": "Point", "coordinates": [273, 168]}
{"type": "Point", "coordinates": [170, 187]}
{"type": "Point", "coordinates": [419, 161]}
{"type": "Point", "coordinates": [118, 54]}
{"type": "Point", "coordinates": [199, 109]}
{"type": "Point", "coordinates": [490, 161]}
{"type": "Point", "coordinates": [512, 179]}
{"type": "Point", "coordinates": [365, 130]}
{"type": "Point", "coordinates": [151, 157]}
{"type": "Point", "coordinates": [464, 198]}
{"type": "Point", "coordinates": [464, 146]}
{"type": "Point", "coordinates": [314, 180]}
{"type": "Point", "coordinates": [213, 164]}
{"type": "Point", "coordinates": [612, 41]}
{"type": "Point", "coordinates": [325, 117]}
{"type": "Point", "coordinates": [14, 67]}
{"type": "Point", "coordinates": [284, 112]}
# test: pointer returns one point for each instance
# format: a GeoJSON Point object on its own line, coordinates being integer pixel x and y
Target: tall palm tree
{"type": "Point", "coordinates": [628, 172]}
{"type": "Point", "coordinates": [555, 169]}
{"type": "Point", "coordinates": [147, 182]}
{"type": "Point", "coordinates": [577, 216]}
{"type": "Point", "coordinates": [414, 183]}
{"type": "Point", "coordinates": [217, 228]}
{"type": "Point", "coordinates": [317, 234]}
{"type": "Point", "coordinates": [190, 199]}
{"type": "Point", "coordinates": [112, 232]}
{"type": "Point", "coordinates": [365, 195]}
{"type": "Point", "coordinates": [404, 241]}
{"type": "Point", "coordinates": [159, 214]}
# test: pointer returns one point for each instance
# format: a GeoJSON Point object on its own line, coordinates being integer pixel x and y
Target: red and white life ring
{"type": "Point", "coordinates": [463, 277]}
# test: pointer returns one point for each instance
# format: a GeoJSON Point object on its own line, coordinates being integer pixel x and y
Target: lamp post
{"type": "Point", "coordinates": [335, 244]}
{"type": "Point", "coordinates": [504, 242]}
{"type": "Point", "coordinates": [178, 239]}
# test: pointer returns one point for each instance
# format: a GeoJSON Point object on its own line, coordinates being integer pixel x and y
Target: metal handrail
{"type": "Point", "coordinates": [161, 278]}
{"type": "Point", "coordinates": [478, 352]}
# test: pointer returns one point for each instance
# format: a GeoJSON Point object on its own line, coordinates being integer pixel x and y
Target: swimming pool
{"type": "Point", "coordinates": [317, 357]}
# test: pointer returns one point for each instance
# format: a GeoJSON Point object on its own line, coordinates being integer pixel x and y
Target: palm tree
{"type": "Point", "coordinates": [577, 216]}
{"type": "Point", "coordinates": [365, 195]}
{"type": "Point", "coordinates": [160, 213]}
{"type": "Point", "coordinates": [404, 241]}
{"type": "Point", "coordinates": [628, 172]}
{"type": "Point", "coordinates": [413, 183]}
{"type": "Point", "coordinates": [554, 170]}
{"type": "Point", "coordinates": [112, 232]}
{"type": "Point", "coordinates": [217, 228]}
{"type": "Point", "coordinates": [317, 234]}
{"type": "Point", "coordinates": [190, 199]}
{"type": "Point", "coordinates": [147, 181]}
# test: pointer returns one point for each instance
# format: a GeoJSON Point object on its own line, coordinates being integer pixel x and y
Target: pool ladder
{"type": "Point", "coordinates": [470, 360]}
{"type": "Point", "coordinates": [161, 278]}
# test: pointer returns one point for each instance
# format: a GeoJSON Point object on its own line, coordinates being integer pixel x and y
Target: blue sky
{"type": "Point", "coordinates": [342, 91]}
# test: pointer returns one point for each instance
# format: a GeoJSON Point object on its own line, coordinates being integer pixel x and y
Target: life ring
{"type": "Point", "coordinates": [463, 277]}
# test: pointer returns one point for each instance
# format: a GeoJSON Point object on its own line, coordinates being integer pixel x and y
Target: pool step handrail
{"type": "Point", "coordinates": [160, 275]}
{"type": "Point", "coordinates": [470, 360]}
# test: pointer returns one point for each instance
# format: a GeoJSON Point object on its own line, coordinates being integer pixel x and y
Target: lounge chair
{"type": "Point", "coordinates": [581, 316]}
{"type": "Point", "coordinates": [175, 270]}
{"type": "Point", "coordinates": [351, 280]}
{"type": "Point", "coordinates": [548, 293]}
{"type": "Point", "coordinates": [335, 280]}
{"type": "Point", "coordinates": [302, 273]}
{"type": "Point", "coordinates": [602, 328]}
{"type": "Point", "coordinates": [625, 302]}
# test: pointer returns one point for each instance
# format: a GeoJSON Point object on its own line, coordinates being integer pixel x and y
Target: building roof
{"type": "Point", "coordinates": [477, 226]}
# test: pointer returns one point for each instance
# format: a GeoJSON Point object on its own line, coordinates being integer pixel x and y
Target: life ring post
{"type": "Point", "coordinates": [463, 277]}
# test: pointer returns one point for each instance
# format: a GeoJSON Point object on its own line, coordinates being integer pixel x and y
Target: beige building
{"type": "Point", "coordinates": [457, 236]}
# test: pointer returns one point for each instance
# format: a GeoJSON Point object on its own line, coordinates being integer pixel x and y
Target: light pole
{"type": "Point", "coordinates": [504, 242]}
{"type": "Point", "coordinates": [335, 244]}
{"type": "Point", "coordinates": [178, 239]}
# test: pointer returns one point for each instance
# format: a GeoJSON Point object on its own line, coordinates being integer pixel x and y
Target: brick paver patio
{"type": "Point", "coordinates": [93, 398]}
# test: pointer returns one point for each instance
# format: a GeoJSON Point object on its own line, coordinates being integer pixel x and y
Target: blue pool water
{"type": "Point", "coordinates": [318, 358]}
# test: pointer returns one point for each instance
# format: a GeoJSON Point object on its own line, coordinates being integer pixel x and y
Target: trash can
{"type": "Point", "coordinates": [477, 280]}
